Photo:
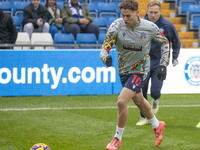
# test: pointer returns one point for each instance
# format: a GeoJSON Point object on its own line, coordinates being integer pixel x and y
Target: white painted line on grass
{"type": "Point", "coordinates": [79, 108]}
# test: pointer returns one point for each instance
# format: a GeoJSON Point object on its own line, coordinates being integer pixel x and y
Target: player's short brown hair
{"type": "Point", "coordinates": [154, 3]}
{"type": "Point", "coordinates": [129, 4]}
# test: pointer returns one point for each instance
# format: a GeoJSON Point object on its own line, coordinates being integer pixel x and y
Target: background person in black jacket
{"type": "Point", "coordinates": [8, 31]}
{"type": "Point", "coordinates": [35, 18]}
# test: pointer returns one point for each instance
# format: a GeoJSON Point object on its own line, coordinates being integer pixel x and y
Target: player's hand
{"type": "Point", "coordinates": [162, 71]}
{"type": "Point", "coordinates": [174, 62]}
{"type": "Point", "coordinates": [108, 61]}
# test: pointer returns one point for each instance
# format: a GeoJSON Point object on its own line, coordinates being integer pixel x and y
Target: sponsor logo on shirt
{"type": "Point", "coordinates": [130, 48]}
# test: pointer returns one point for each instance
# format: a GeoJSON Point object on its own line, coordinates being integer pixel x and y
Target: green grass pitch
{"type": "Point", "coordinates": [88, 123]}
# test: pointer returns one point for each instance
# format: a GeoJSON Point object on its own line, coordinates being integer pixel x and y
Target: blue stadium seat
{"type": "Point", "coordinates": [42, 3]}
{"type": "Point", "coordinates": [83, 1]}
{"type": "Point", "coordinates": [96, 2]}
{"type": "Point", "coordinates": [60, 4]}
{"type": "Point", "coordinates": [177, 2]}
{"type": "Point", "coordinates": [110, 21]}
{"type": "Point", "coordinates": [60, 1]}
{"type": "Point", "coordinates": [117, 3]}
{"type": "Point", "coordinates": [184, 5]}
{"type": "Point", "coordinates": [17, 23]}
{"type": "Point", "coordinates": [6, 7]}
{"type": "Point", "coordinates": [193, 16]}
{"type": "Point", "coordinates": [193, 9]}
{"type": "Point", "coordinates": [107, 10]}
{"type": "Point", "coordinates": [17, 0]}
{"type": "Point", "coordinates": [12, 1]}
{"type": "Point", "coordinates": [195, 21]}
{"type": "Point", "coordinates": [101, 23]}
{"type": "Point", "coordinates": [18, 7]}
{"type": "Point", "coordinates": [92, 8]}
{"type": "Point", "coordinates": [101, 38]}
{"type": "Point", "coordinates": [86, 40]}
{"type": "Point", "coordinates": [63, 38]}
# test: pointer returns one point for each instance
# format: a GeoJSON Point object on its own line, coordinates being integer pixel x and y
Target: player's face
{"type": "Point", "coordinates": [154, 13]}
{"type": "Point", "coordinates": [130, 17]}
{"type": "Point", "coordinates": [36, 3]}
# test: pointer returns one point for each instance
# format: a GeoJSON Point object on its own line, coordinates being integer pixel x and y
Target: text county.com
{"type": "Point", "coordinates": [38, 75]}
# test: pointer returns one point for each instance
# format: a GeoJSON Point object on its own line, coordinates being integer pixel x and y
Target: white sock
{"type": "Point", "coordinates": [154, 122]}
{"type": "Point", "coordinates": [119, 133]}
{"type": "Point", "coordinates": [155, 100]}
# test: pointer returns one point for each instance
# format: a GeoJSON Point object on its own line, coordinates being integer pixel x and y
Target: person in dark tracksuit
{"type": "Point", "coordinates": [8, 31]}
{"type": "Point", "coordinates": [170, 32]}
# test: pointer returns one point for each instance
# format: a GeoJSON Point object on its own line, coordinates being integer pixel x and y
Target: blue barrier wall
{"type": "Point", "coordinates": [24, 73]}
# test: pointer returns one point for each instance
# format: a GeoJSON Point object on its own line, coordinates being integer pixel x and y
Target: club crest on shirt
{"type": "Point", "coordinates": [123, 34]}
{"type": "Point", "coordinates": [143, 35]}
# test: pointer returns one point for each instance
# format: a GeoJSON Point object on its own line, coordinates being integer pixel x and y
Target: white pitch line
{"type": "Point", "coordinates": [79, 108]}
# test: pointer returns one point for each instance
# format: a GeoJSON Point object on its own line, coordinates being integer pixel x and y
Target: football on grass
{"type": "Point", "coordinates": [40, 146]}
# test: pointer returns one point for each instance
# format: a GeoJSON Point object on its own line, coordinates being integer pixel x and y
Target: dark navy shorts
{"type": "Point", "coordinates": [132, 81]}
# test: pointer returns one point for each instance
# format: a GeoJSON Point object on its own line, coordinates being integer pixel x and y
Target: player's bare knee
{"type": "Point", "coordinates": [138, 101]}
{"type": "Point", "coordinates": [120, 103]}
